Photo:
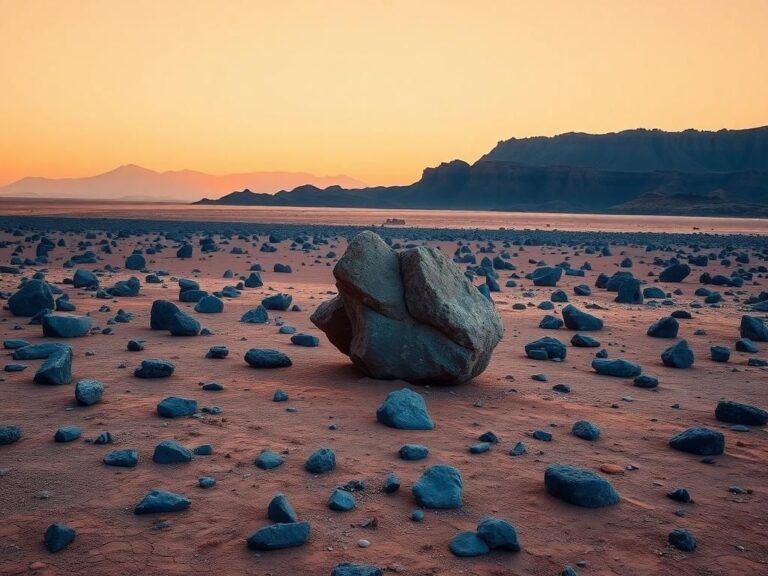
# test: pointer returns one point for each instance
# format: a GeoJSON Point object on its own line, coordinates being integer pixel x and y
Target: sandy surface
{"type": "Point", "coordinates": [43, 481]}
{"type": "Point", "coordinates": [365, 217]}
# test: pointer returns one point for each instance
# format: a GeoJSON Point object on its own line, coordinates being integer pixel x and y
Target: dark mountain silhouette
{"type": "Point", "coordinates": [643, 150]}
{"type": "Point", "coordinates": [637, 171]}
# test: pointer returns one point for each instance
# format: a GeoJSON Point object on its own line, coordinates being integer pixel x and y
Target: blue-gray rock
{"type": "Point", "coordinates": [206, 482]}
{"type": "Point", "coordinates": [546, 276]}
{"type": "Point", "coordinates": [58, 536]}
{"type": "Point", "coordinates": [738, 413]}
{"type": "Point", "coordinates": [579, 486]}
{"type": "Point", "coordinates": [31, 298]}
{"type": "Point", "coordinates": [546, 348]}
{"type": "Point", "coordinates": [161, 314]}
{"type": "Point", "coordinates": [653, 293]}
{"type": "Point", "coordinates": [646, 381]}
{"type": "Point", "coordinates": [267, 358]}
{"type": "Point", "coordinates": [679, 355]}
{"type": "Point", "coordinates": [185, 251]}
{"type": "Point", "coordinates": [583, 341]}
{"type": "Point", "coordinates": [135, 345]}
{"type": "Point", "coordinates": [42, 350]}
{"type": "Point", "coordinates": [413, 452]}
{"type": "Point", "coordinates": [347, 569]}
{"type": "Point", "coordinates": [305, 340]}
{"type": "Point", "coordinates": [67, 434]}
{"type": "Point", "coordinates": [699, 440]}
{"type": "Point", "coordinates": [122, 458]}
{"type": "Point", "coordinates": [14, 367]}
{"type": "Point", "coordinates": [171, 452]}
{"type": "Point", "coordinates": [480, 448]}
{"type": "Point", "coordinates": [203, 450]}
{"type": "Point", "coordinates": [617, 367]}
{"type": "Point", "coordinates": [629, 292]}
{"type": "Point", "coordinates": [440, 486]}
{"type": "Point", "coordinates": [280, 535]}
{"type": "Point", "coordinates": [746, 345]}
{"type": "Point", "coordinates": [85, 279]}
{"type": "Point", "coordinates": [666, 327]}
{"type": "Point", "coordinates": [341, 500]}
{"type": "Point", "coordinates": [135, 262]}
{"type": "Point", "coordinates": [182, 324]}
{"type": "Point", "coordinates": [14, 344]}
{"type": "Point", "coordinates": [406, 410]}
{"type": "Point", "coordinates": [268, 460]}
{"type": "Point", "coordinates": [468, 544]}
{"type": "Point", "coordinates": [720, 353]}
{"type": "Point", "coordinates": [217, 352]}
{"type": "Point", "coordinates": [175, 407]}
{"type": "Point", "coordinates": [154, 368]}
{"type": "Point", "coordinates": [88, 391]}
{"type": "Point", "coordinates": [550, 322]}
{"type": "Point", "coordinates": [65, 325]}
{"type": "Point", "coordinates": [9, 434]}
{"type": "Point", "coordinates": [682, 540]}
{"type": "Point", "coordinates": [209, 305]}
{"type": "Point", "coordinates": [391, 483]}
{"type": "Point", "coordinates": [258, 315]}
{"type": "Point", "coordinates": [57, 369]}
{"type": "Point", "coordinates": [280, 510]}
{"type": "Point", "coordinates": [751, 327]}
{"type": "Point", "coordinates": [277, 302]}
{"type": "Point", "coordinates": [542, 435]}
{"type": "Point", "coordinates": [162, 501]}
{"type": "Point", "coordinates": [586, 430]}
{"type": "Point", "coordinates": [498, 534]}
{"type": "Point", "coordinates": [675, 273]}
{"type": "Point", "coordinates": [576, 319]}
{"type": "Point", "coordinates": [320, 461]}
{"type": "Point", "coordinates": [279, 396]}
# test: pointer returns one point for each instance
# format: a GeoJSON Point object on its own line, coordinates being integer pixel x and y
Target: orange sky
{"type": "Point", "coordinates": [373, 89]}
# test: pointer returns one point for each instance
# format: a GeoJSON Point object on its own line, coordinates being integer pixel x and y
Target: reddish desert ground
{"type": "Point", "coordinates": [42, 481]}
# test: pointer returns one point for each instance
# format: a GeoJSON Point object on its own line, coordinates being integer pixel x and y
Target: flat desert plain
{"type": "Point", "coordinates": [331, 404]}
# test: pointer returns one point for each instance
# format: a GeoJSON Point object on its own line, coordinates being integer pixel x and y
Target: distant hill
{"type": "Point", "coordinates": [633, 172]}
{"type": "Point", "coordinates": [642, 150]}
{"type": "Point", "coordinates": [131, 182]}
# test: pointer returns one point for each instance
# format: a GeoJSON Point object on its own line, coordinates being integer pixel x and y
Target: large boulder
{"type": "Point", "coordinates": [753, 328]}
{"type": "Point", "coordinates": [85, 279]}
{"type": "Point", "coordinates": [412, 316]}
{"type": "Point", "coordinates": [675, 273]}
{"type": "Point", "coordinates": [31, 298]}
{"type": "Point", "coordinates": [579, 486]}
{"type": "Point", "coordinates": [576, 319]}
{"type": "Point", "coordinates": [66, 325]}
{"type": "Point", "coordinates": [161, 314]}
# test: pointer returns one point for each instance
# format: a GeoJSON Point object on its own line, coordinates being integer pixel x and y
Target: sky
{"type": "Point", "coordinates": [375, 89]}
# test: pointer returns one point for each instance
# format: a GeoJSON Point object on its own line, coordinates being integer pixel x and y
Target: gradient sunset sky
{"type": "Point", "coordinates": [373, 89]}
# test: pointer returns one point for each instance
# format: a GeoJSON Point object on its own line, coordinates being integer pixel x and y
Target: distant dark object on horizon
{"type": "Point", "coordinates": [722, 173]}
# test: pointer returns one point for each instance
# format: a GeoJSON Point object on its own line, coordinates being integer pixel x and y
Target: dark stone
{"type": "Point", "coordinates": [307, 340]}
{"type": "Point", "coordinates": [209, 305]}
{"type": "Point", "coordinates": [576, 319]}
{"type": "Point", "coordinates": [646, 381]}
{"type": "Point", "coordinates": [321, 461]}
{"type": "Point", "coordinates": [280, 510]}
{"type": "Point", "coordinates": [9, 434]}
{"type": "Point", "coordinates": [161, 314]}
{"type": "Point", "coordinates": [341, 501]}
{"type": "Point", "coordinates": [277, 302]}
{"type": "Point", "coordinates": [347, 569]}
{"type": "Point", "coordinates": [678, 356]}
{"type": "Point", "coordinates": [391, 483]}
{"type": "Point", "coordinates": [171, 452]}
{"type": "Point", "coordinates": [175, 407]}
{"type": "Point", "coordinates": [88, 392]}
{"type": "Point", "coordinates": [135, 262]}
{"type": "Point", "coordinates": [281, 535]}
{"type": "Point", "coordinates": [579, 486]}
{"type": "Point", "coordinates": [584, 341]}
{"type": "Point", "coordinates": [31, 298]}
{"type": "Point", "coordinates": [57, 369]}
{"type": "Point", "coordinates": [701, 441]}
{"type": "Point", "coordinates": [585, 430]}
{"type": "Point", "coordinates": [498, 534]}
{"type": "Point", "coordinates": [413, 452]}
{"type": "Point", "coordinates": [682, 540]}
{"type": "Point", "coordinates": [122, 458]}
{"type": "Point", "coordinates": [268, 460]}
{"type": "Point", "coordinates": [546, 348]}
{"type": "Point", "coordinates": [58, 536]}
{"type": "Point", "coordinates": [406, 410]}
{"type": "Point", "coordinates": [161, 501]}
{"type": "Point", "coordinates": [753, 328]}
{"type": "Point", "coordinates": [720, 353]}
{"type": "Point", "coordinates": [267, 358]}
{"type": "Point", "coordinates": [666, 327]}
{"type": "Point", "coordinates": [258, 315]}
{"type": "Point", "coordinates": [182, 324]}
{"type": "Point", "coordinates": [67, 434]}
{"type": "Point", "coordinates": [617, 367]}
{"type": "Point", "coordinates": [675, 273]}
{"type": "Point", "coordinates": [439, 486]}
{"type": "Point", "coordinates": [468, 544]}
{"type": "Point", "coordinates": [154, 368]}
{"type": "Point", "coordinates": [738, 413]}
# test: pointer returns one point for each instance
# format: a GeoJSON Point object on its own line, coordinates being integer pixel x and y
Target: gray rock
{"type": "Point", "coordinates": [701, 441]}
{"type": "Point", "coordinates": [58, 536]}
{"type": "Point", "coordinates": [161, 501]}
{"type": "Point", "coordinates": [66, 325]}
{"type": "Point", "coordinates": [280, 535]}
{"type": "Point", "coordinates": [579, 486]}
{"type": "Point", "coordinates": [439, 486]}
{"type": "Point", "coordinates": [406, 410]}
{"type": "Point", "coordinates": [88, 391]}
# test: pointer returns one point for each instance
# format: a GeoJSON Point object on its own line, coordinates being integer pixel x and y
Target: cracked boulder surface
{"type": "Point", "coordinates": [410, 315]}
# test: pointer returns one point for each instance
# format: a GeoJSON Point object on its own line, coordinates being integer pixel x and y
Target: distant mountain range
{"type": "Point", "coordinates": [633, 172]}
{"type": "Point", "coordinates": [131, 182]}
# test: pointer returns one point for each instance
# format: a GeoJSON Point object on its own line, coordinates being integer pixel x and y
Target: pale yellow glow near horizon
{"type": "Point", "coordinates": [376, 90]}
